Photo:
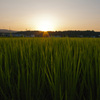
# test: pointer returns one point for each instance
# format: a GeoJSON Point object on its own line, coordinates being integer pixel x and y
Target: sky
{"type": "Point", "coordinates": [55, 15]}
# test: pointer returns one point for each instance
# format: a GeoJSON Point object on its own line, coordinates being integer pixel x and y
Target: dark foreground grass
{"type": "Point", "coordinates": [49, 69]}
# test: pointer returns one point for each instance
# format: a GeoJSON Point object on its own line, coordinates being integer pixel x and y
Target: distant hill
{"type": "Point", "coordinates": [7, 31]}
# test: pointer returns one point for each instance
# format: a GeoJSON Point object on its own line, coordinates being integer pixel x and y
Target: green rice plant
{"type": "Point", "coordinates": [50, 68]}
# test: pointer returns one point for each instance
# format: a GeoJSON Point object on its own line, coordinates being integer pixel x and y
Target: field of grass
{"type": "Point", "coordinates": [49, 69]}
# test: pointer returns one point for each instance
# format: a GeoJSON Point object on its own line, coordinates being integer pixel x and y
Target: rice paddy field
{"type": "Point", "coordinates": [49, 68]}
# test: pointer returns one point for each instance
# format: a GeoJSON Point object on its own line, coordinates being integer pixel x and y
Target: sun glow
{"type": "Point", "coordinates": [45, 25]}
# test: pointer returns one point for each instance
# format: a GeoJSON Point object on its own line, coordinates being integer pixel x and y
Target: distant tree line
{"type": "Point", "coordinates": [87, 33]}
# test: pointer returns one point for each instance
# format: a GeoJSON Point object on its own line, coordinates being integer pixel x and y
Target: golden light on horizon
{"type": "Point", "coordinates": [45, 24]}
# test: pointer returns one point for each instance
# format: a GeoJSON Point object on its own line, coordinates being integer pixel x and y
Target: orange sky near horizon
{"type": "Point", "coordinates": [50, 15]}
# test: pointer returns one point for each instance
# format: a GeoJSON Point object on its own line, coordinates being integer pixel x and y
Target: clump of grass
{"type": "Point", "coordinates": [49, 69]}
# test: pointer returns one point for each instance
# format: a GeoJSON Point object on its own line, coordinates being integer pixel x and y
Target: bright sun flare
{"type": "Point", "coordinates": [45, 25]}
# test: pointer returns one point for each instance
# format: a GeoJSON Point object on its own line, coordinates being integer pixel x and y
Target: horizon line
{"type": "Point", "coordinates": [48, 30]}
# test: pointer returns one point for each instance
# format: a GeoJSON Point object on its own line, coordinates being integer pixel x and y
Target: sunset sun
{"type": "Point", "coordinates": [45, 25]}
